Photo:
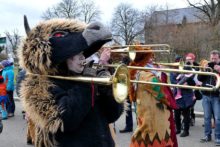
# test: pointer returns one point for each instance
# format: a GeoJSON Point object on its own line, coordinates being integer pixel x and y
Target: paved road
{"type": "Point", "coordinates": [14, 133]}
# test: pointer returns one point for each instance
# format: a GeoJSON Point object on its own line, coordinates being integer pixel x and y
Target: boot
{"type": "Point", "coordinates": [126, 130]}
{"type": "Point", "coordinates": [4, 114]}
{"type": "Point", "coordinates": [184, 134]}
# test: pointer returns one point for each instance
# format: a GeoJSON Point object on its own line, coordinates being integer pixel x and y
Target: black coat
{"type": "Point", "coordinates": [208, 81]}
{"type": "Point", "coordinates": [85, 125]}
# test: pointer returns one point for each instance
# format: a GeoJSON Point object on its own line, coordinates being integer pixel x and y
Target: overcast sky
{"type": "Point", "coordinates": [12, 11]}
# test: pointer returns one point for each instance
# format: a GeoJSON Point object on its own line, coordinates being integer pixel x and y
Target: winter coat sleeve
{"type": "Point", "coordinates": [9, 78]}
{"type": "Point", "coordinates": [73, 104]}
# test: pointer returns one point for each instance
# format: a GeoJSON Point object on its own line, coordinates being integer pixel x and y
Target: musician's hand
{"type": "Point", "coordinates": [105, 56]}
{"type": "Point", "coordinates": [88, 70]}
{"type": "Point", "coordinates": [198, 83]}
{"type": "Point", "coordinates": [217, 68]}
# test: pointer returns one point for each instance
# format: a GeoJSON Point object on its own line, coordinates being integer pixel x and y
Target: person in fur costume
{"type": "Point", "coordinates": [156, 127]}
{"type": "Point", "coordinates": [66, 113]}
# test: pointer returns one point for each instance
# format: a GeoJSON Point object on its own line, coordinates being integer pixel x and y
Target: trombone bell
{"type": "Point", "coordinates": [121, 83]}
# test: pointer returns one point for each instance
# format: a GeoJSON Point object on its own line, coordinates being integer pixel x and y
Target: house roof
{"type": "Point", "coordinates": [175, 16]}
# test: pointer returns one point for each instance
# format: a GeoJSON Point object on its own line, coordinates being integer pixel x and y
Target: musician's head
{"type": "Point", "coordinates": [76, 63]}
{"type": "Point", "coordinates": [190, 58]}
{"type": "Point", "coordinates": [215, 56]}
{"type": "Point", "coordinates": [61, 43]}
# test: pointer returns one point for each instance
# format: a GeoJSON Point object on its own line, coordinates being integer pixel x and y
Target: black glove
{"type": "Point", "coordinates": [89, 71]}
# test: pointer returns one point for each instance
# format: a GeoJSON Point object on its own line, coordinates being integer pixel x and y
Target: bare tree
{"type": "Point", "coordinates": [14, 40]}
{"type": "Point", "coordinates": [64, 9]}
{"type": "Point", "coordinates": [211, 9]}
{"type": "Point", "coordinates": [84, 10]}
{"type": "Point", "coordinates": [127, 23]}
{"type": "Point", "coordinates": [89, 12]}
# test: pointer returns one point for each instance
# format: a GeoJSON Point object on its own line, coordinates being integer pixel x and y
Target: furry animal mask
{"type": "Point", "coordinates": [53, 41]}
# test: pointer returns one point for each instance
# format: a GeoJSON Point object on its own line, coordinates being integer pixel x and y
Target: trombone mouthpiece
{"type": "Point", "coordinates": [83, 63]}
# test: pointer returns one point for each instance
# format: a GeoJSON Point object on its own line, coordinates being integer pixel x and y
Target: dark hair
{"type": "Point", "coordinates": [215, 52]}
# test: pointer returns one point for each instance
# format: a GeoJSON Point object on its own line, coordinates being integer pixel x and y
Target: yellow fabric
{"type": "Point", "coordinates": [151, 119]}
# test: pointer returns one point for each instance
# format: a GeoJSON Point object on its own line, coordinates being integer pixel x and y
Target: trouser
{"type": "Point", "coordinates": [11, 103]}
{"type": "Point", "coordinates": [186, 118]}
{"type": "Point", "coordinates": [129, 119]}
{"type": "Point", "coordinates": [211, 105]}
{"type": "Point", "coordinates": [192, 114]}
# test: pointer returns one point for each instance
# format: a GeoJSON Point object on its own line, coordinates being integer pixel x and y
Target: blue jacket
{"type": "Point", "coordinates": [8, 75]}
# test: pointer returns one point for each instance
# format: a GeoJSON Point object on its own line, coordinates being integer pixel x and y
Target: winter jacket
{"type": "Point", "coordinates": [84, 125]}
{"type": "Point", "coordinates": [208, 81]}
{"type": "Point", "coordinates": [187, 94]}
{"type": "Point", "coordinates": [8, 75]}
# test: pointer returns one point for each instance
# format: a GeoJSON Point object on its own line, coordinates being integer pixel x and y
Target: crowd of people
{"type": "Point", "coordinates": [75, 113]}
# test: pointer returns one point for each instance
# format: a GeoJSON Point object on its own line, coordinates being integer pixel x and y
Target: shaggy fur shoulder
{"type": "Point", "coordinates": [39, 104]}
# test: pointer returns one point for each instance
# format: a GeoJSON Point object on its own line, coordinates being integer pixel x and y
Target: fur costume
{"type": "Point", "coordinates": [154, 107]}
{"type": "Point", "coordinates": [61, 111]}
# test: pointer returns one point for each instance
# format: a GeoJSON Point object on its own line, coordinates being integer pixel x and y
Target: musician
{"type": "Point", "coordinates": [154, 106]}
{"type": "Point", "coordinates": [211, 101]}
{"type": "Point", "coordinates": [66, 113]}
{"type": "Point", "coordinates": [190, 59]}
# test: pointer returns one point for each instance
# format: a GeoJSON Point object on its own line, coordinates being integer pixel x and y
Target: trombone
{"type": "Point", "coordinates": [120, 81]}
{"type": "Point", "coordinates": [130, 49]}
{"type": "Point", "coordinates": [211, 88]}
{"type": "Point", "coordinates": [181, 65]}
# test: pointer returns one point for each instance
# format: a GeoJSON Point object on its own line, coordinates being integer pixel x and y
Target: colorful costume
{"type": "Point", "coordinates": [154, 108]}
{"type": "Point", "coordinates": [3, 99]}
{"type": "Point", "coordinates": [65, 113]}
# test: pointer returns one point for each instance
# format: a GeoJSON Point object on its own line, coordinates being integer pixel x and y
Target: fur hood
{"type": "Point", "coordinates": [35, 52]}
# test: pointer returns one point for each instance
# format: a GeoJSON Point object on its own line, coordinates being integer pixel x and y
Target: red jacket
{"type": "Point", "coordinates": [3, 91]}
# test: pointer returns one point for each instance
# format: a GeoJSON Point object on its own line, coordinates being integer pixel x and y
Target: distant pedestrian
{"type": "Point", "coordinates": [8, 75]}
{"type": "Point", "coordinates": [3, 99]}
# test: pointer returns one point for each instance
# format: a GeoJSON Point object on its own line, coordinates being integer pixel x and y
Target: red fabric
{"type": "Point", "coordinates": [191, 55]}
{"type": "Point", "coordinates": [168, 93]}
{"type": "Point", "coordinates": [3, 91]}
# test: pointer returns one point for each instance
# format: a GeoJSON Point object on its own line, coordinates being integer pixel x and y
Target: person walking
{"type": "Point", "coordinates": [8, 75]}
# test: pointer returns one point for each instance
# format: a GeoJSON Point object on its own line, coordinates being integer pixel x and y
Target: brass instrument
{"type": "Point", "coordinates": [176, 71]}
{"type": "Point", "coordinates": [120, 81]}
{"type": "Point", "coordinates": [130, 49]}
{"type": "Point", "coordinates": [181, 65]}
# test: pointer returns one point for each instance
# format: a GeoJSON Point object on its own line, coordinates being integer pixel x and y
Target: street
{"type": "Point", "coordinates": [14, 132]}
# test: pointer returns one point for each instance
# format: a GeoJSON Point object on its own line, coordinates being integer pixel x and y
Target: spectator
{"type": "Point", "coordinates": [3, 99]}
{"type": "Point", "coordinates": [190, 59]}
{"type": "Point", "coordinates": [211, 101]}
{"type": "Point", "coordinates": [128, 116]}
{"type": "Point", "coordinates": [8, 75]}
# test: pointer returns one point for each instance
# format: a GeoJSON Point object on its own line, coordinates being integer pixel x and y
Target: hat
{"type": "Point", "coordinates": [177, 58]}
{"type": "Point", "coordinates": [67, 44]}
{"type": "Point", "coordinates": [191, 55]}
{"type": "Point", "coordinates": [5, 63]}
